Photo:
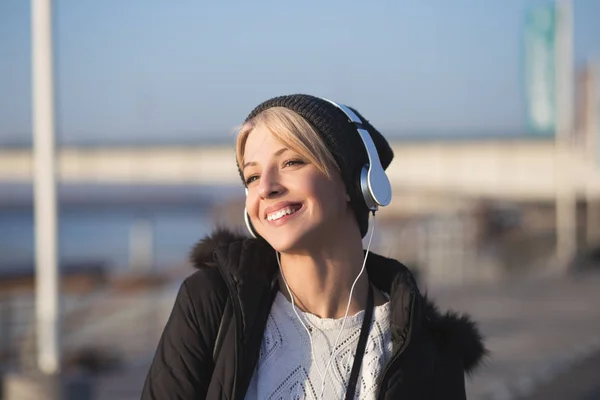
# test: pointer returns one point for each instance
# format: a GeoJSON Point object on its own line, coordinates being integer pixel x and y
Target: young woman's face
{"type": "Point", "coordinates": [291, 204]}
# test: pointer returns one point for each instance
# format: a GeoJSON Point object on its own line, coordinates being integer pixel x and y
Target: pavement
{"type": "Point", "coordinates": [535, 328]}
{"type": "Point", "coordinates": [123, 384]}
{"type": "Point", "coordinates": [580, 382]}
{"type": "Point", "coordinates": [542, 332]}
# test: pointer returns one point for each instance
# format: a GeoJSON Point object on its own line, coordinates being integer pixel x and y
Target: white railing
{"type": "Point", "coordinates": [105, 326]}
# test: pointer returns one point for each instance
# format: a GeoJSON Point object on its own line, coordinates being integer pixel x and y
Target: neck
{"type": "Point", "coordinates": [321, 280]}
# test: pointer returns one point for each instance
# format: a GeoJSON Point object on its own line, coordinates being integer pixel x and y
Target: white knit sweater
{"type": "Point", "coordinates": [285, 369]}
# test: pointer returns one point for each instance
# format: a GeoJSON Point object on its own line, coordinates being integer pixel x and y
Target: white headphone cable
{"type": "Point", "coordinates": [298, 316]}
{"type": "Point", "coordinates": [323, 375]}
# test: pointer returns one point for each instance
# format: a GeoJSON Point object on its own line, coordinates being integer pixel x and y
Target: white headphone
{"type": "Point", "coordinates": [374, 183]}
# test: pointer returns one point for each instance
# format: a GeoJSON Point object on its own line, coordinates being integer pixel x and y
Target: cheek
{"type": "Point", "coordinates": [332, 196]}
{"type": "Point", "coordinates": [252, 206]}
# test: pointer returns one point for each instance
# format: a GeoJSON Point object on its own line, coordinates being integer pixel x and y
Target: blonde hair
{"type": "Point", "coordinates": [294, 132]}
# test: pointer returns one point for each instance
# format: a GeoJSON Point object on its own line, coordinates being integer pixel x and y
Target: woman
{"type": "Point", "coordinates": [301, 311]}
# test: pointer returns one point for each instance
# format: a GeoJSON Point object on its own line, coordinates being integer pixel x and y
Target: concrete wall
{"type": "Point", "coordinates": [510, 169]}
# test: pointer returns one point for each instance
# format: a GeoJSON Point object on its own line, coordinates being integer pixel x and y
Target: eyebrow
{"type": "Point", "coordinates": [277, 153]}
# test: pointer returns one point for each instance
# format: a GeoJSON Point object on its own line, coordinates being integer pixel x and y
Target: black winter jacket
{"type": "Point", "coordinates": [236, 280]}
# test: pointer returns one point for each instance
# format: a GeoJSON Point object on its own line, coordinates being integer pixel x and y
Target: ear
{"type": "Point", "coordinates": [348, 198]}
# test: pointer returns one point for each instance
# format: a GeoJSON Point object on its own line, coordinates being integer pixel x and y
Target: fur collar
{"type": "Point", "coordinates": [453, 331]}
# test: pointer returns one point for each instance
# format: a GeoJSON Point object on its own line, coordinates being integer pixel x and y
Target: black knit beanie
{"type": "Point", "coordinates": [342, 140]}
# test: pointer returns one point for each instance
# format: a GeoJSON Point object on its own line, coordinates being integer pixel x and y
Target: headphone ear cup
{"type": "Point", "coordinates": [247, 221]}
{"type": "Point", "coordinates": [375, 186]}
{"type": "Point", "coordinates": [249, 225]}
{"type": "Point", "coordinates": [365, 190]}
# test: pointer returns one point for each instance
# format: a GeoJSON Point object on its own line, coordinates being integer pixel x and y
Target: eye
{"type": "Point", "coordinates": [291, 163]}
{"type": "Point", "coordinates": [251, 179]}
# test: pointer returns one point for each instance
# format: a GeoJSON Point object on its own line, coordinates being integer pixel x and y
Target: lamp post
{"type": "Point", "coordinates": [566, 200]}
{"type": "Point", "coordinates": [45, 208]}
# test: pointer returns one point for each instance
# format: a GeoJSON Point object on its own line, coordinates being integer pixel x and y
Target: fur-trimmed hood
{"type": "Point", "coordinates": [455, 333]}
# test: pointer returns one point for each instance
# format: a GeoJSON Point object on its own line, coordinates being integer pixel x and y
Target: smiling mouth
{"type": "Point", "coordinates": [283, 212]}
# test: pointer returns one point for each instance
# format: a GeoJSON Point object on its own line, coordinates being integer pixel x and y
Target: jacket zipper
{"type": "Point", "coordinates": [401, 350]}
{"type": "Point", "coordinates": [237, 313]}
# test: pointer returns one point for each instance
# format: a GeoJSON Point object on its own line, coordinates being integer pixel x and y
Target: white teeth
{"type": "Point", "coordinates": [284, 211]}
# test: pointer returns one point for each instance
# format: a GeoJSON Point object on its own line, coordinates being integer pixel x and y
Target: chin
{"type": "Point", "coordinates": [290, 241]}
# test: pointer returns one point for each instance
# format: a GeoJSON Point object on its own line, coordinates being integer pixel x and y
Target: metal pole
{"type": "Point", "coordinates": [590, 126]}
{"type": "Point", "coordinates": [566, 201]}
{"type": "Point", "coordinates": [46, 253]}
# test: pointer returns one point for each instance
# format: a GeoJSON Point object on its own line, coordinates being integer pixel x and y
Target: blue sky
{"type": "Point", "coordinates": [140, 70]}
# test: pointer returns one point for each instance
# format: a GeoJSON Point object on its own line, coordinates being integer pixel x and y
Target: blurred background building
{"type": "Point", "coordinates": [496, 169]}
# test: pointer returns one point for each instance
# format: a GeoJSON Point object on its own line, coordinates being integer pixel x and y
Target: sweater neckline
{"type": "Point", "coordinates": [325, 324]}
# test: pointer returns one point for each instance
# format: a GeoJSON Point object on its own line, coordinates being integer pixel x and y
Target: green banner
{"type": "Point", "coordinates": [540, 69]}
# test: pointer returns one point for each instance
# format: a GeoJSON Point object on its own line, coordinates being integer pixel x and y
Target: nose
{"type": "Point", "coordinates": [269, 185]}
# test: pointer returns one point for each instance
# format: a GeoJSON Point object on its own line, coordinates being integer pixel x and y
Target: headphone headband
{"type": "Point", "coordinates": [375, 185]}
